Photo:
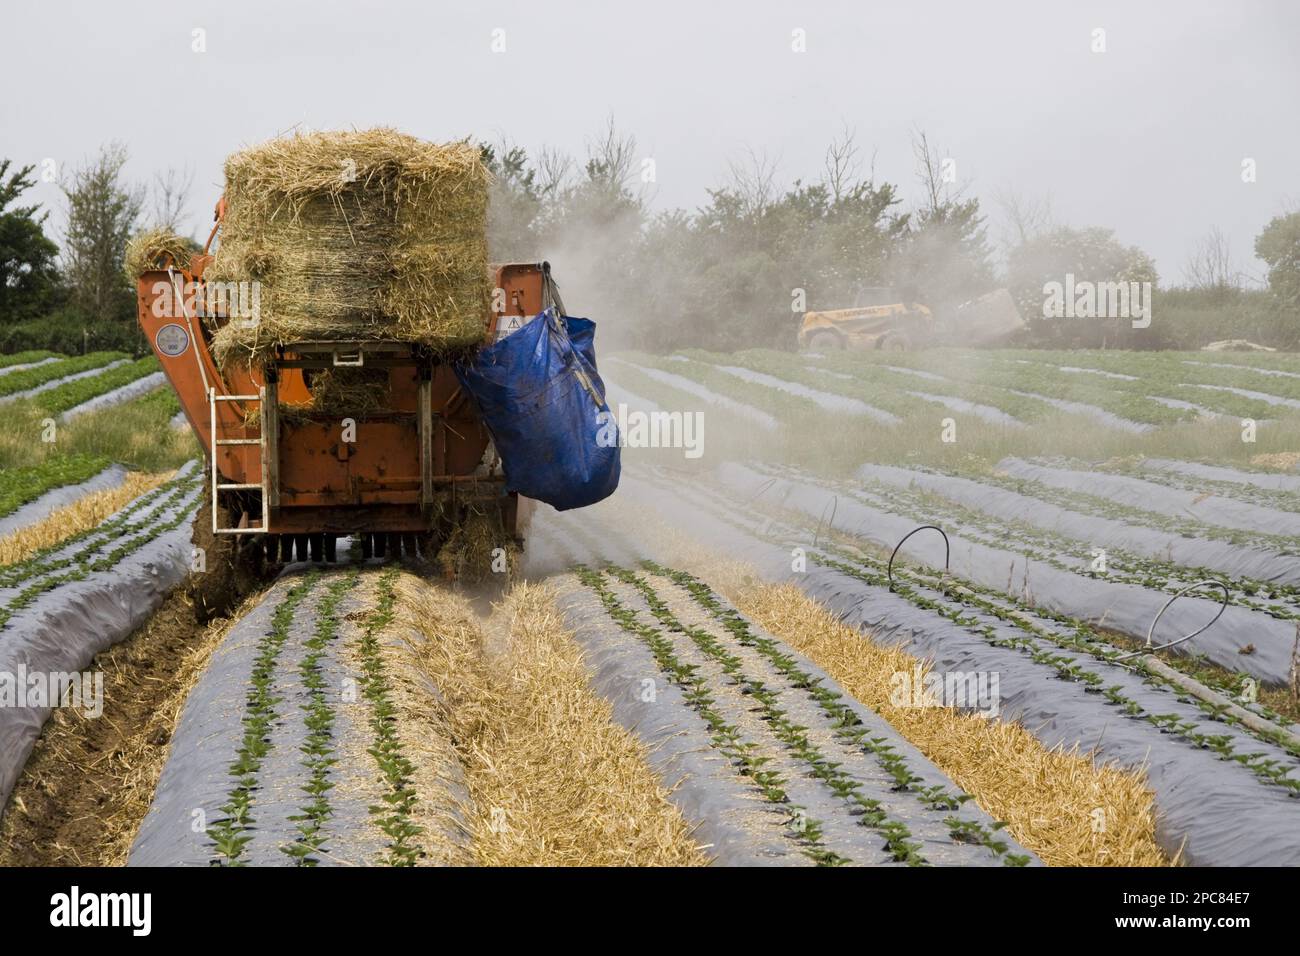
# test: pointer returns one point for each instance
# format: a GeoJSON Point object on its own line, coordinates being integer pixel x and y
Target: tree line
{"type": "Point", "coordinates": [736, 272]}
{"type": "Point", "coordinates": [74, 296]}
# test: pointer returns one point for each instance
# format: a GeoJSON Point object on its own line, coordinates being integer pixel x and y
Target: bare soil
{"type": "Point", "coordinates": [88, 782]}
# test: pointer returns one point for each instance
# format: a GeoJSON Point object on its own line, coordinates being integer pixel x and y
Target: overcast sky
{"type": "Point", "coordinates": [1147, 138]}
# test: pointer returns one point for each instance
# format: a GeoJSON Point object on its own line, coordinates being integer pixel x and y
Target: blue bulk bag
{"type": "Point", "coordinates": [544, 405]}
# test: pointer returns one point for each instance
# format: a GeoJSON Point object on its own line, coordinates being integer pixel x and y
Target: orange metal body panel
{"type": "Point", "coordinates": [327, 484]}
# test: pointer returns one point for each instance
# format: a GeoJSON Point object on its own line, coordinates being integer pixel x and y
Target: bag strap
{"type": "Point", "coordinates": [551, 290]}
{"type": "Point", "coordinates": [573, 360]}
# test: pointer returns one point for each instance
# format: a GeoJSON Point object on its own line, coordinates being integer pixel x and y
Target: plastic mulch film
{"type": "Point", "coordinates": [1150, 496]}
{"type": "Point", "coordinates": [1126, 608]}
{"type": "Point", "coordinates": [1095, 531]}
{"type": "Point", "coordinates": [1214, 809]}
{"type": "Point", "coordinates": [85, 598]}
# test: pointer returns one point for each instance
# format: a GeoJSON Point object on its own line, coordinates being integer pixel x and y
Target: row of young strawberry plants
{"type": "Point", "coordinates": [1145, 385]}
{"type": "Point", "coordinates": [780, 405]}
{"type": "Point", "coordinates": [318, 746]}
{"type": "Point", "coordinates": [393, 816]}
{"type": "Point", "coordinates": [1165, 375]}
{"type": "Point", "coordinates": [848, 724]}
{"type": "Point", "coordinates": [939, 594]}
{"type": "Point", "coordinates": [1288, 362]}
{"type": "Point", "coordinates": [793, 737]}
{"type": "Point", "coordinates": [26, 358]}
{"type": "Point", "coordinates": [116, 526]}
{"type": "Point", "coordinates": [1052, 548]}
{"type": "Point", "coordinates": [71, 394]}
{"type": "Point", "coordinates": [803, 370]}
{"type": "Point", "coordinates": [1278, 601]}
{"type": "Point", "coordinates": [842, 372]}
{"type": "Point", "coordinates": [1101, 507]}
{"type": "Point", "coordinates": [726, 737]}
{"type": "Point", "coordinates": [88, 551]}
{"type": "Point", "coordinates": [1176, 369]}
{"type": "Point", "coordinates": [20, 486]}
{"type": "Point", "coordinates": [230, 834]}
{"type": "Point", "coordinates": [1269, 770]}
{"type": "Point", "coordinates": [1276, 499]}
{"type": "Point", "coordinates": [30, 378]}
{"type": "Point", "coordinates": [1147, 362]}
{"type": "Point", "coordinates": [1274, 386]}
{"type": "Point", "coordinates": [1007, 375]}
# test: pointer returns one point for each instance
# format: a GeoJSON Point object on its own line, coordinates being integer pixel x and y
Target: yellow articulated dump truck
{"type": "Point", "coordinates": [881, 319]}
{"type": "Point", "coordinates": [887, 321]}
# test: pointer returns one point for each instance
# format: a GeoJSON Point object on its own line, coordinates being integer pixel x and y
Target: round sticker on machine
{"type": "Point", "coordinates": [172, 340]}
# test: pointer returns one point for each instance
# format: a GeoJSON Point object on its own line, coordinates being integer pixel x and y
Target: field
{"type": "Point", "coordinates": [727, 662]}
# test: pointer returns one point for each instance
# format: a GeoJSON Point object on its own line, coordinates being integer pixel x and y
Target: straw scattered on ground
{"type": "Point", "coordinates": [1279, 461]}
{"type": "Point", "coordinates": [478, 548]}
{"type": "Point", "coordinates": [90, 780]}
{"type": "Point", "coordinates": [1047, 797]}
{"type": "Point", "coordinates": [554, 781]}
{"type": "Point", "coordinates": [86, 512]}
{"type": "Point", "coordinates": [436, 777]}
{"type": "Point", "coordinates": [1058, 803]}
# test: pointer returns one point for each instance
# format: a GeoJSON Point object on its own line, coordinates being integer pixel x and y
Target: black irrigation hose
{"type": "Point", "coordinates": [761, 489]}
{"type": "Point", "coordinates": [1227, 597]}
{"type": "Point", "coordinates": [947, 550]}
{"type": "Point", "coordinates": [834, 505]}
{"type": "Point", "coordinates": [1268, 771]}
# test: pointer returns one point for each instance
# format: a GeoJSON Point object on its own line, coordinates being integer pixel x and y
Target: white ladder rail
{"type": "Point", "coordinates": [217, 484]}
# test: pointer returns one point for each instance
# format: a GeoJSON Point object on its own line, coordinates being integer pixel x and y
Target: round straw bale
{"type": "Point", "coordinates": [357, 235]}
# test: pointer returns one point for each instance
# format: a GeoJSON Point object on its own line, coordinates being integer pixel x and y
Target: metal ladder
{"type": "Point", "coordinates": [265, 453]}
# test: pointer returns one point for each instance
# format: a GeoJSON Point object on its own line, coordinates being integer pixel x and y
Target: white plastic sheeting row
{"type": "Point", "coordinates": [63, 629]}
{"type": "Point", "coordinates": [1214, 812]}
